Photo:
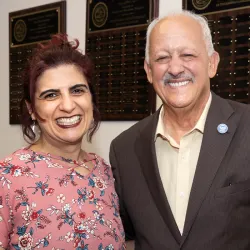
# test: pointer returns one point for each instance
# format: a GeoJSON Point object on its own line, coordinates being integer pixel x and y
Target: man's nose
{"type": "Point", "coordinates": [67, 103]}
{"type": "Point", "coordinates": [175, 66]}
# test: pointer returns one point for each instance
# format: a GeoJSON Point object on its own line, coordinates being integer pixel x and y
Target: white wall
{"type": "Point", "coordinates": [10, 135]}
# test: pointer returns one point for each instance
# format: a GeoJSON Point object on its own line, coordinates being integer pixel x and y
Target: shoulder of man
{"type": "Point", "coordinates": [236, 106]}
{"type": "Point", "coordinates": [240, 114]}
{"type": "Point", "coordinates": [133, 131]}
{"type": "Point", "coordinates": [239, 107]}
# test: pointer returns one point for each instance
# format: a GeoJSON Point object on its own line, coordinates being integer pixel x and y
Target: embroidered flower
{"type": "Point", "coordinates": [34, 215]}
{"type": "Point", "coordinates": [26, 214]}
{"type": "Point", "coordinates": [69, 237]}
{"type": "Point", "coordinates": [3, 164]}
{"type": "Point", "coordinates": [91, 195]}
{"type": "Point", "coordinates": [77, 241]}
{"type": "Point", "coordinates": [80, 228]}
{"type": "Point", "coordinates": [50, 191]}
{"type": "Point", "coordinates": [25, 242]}
{"type": "Point", "coordinates": [109, 223]}
{"type": "Point", "coordinates": [49, 236]}
{"type": "Point", "coordinates": [109, 247]}
{"type": "Point", "coordinates": [99, 183]}
{"type": "Point", "coordinates": [53, 165]}
{"type": "Point", "coordinates": [97, 215]}
{"type": "Point", "coordinates": [61, 198]}
{"type": "Point", "coordinates": [16, 171]}
{"type": "Point", "coordinates": [5, 181]}
{"type": "Point", "coordinates": [66, 207]}
{"type": "Point", "coordinates": [99, 206]}
{"type": "Point", "coordinates": [82, 215]}
{"type": "Point", "coordinates": [39, 158]}
{"type": "Point", "coordinates": [24, 157]}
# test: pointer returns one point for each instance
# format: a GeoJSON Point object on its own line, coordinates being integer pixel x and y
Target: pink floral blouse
{"type": "Point", "coordinates": [45, 203]}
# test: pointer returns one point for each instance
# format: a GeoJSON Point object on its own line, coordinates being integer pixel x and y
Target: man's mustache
{"type": "Point", "coordinates": [182, 76]}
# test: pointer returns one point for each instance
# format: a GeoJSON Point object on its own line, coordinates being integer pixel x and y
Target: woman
{"type": "Point", "coordinates": [53, 194]}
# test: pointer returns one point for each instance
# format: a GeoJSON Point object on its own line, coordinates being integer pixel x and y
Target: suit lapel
{"type": "Point", "coordinates": [145, 150]}
{"type": "Point", "coordinates": [213, 149]}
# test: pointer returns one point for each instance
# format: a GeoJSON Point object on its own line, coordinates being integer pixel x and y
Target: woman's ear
{"type": "Point", "coordinates": [28, 105]}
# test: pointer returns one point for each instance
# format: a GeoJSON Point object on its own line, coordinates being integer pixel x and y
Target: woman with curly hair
{"type": "Point", "coordinates": [54, 194]}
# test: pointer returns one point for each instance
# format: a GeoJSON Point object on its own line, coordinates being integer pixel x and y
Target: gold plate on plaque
{"type": "Point", "coordinates": [201, 4]}
{"type": "Point", "coordinates": [20, 30]}
{"type": "Point", "coordinates": [100, 14]}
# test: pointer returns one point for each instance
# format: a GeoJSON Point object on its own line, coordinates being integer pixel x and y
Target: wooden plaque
{"type": "Point", "coordinates": [229, 22]}
{"type": "Point", "coordinates": [27, 28]}
{"type": "Point", "coordinates": [116, 38]}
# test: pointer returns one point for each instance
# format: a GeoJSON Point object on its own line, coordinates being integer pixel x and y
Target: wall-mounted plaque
{"type": "Point", "coordinates": [27, 28]}
{"type": "Point", "coordinates": [208, 6]}
{"type": "Point", "coordinates": [116, 37]}
{"type": "Point", "coordinates": [229, 22]}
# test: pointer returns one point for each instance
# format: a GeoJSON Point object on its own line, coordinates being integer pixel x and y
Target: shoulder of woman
{"type": "Point", "coordinates": [12, 155]}
{"type": "Point", "coordinates": [17, 159]}
{"type": "Point", "coordinates": [99, 159]}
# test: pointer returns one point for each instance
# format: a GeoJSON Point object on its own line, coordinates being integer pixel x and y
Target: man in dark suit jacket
{"type": "Point", "coordinates": [210, 189]}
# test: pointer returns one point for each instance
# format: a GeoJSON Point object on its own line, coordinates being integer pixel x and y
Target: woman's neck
{"type": "Point", "coordinates": [69, 151]}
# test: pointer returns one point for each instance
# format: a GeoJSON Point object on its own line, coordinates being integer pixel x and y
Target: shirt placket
{"type": "Point", "coordinates": [182, 186]}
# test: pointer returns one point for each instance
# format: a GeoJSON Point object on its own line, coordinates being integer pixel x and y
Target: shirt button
{"type": "Point", "coordinates": [182, 194]}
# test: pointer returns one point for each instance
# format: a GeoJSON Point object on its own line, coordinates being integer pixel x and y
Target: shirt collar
{"type": "Point", "coordinates": [199, 125]}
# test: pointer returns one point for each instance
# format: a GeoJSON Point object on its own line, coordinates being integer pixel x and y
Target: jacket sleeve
{"type": "Point", "coordinates": [127, 223]}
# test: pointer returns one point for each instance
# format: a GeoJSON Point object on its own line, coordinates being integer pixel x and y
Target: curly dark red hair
{"type": "Point", "coordinates": [59, 50]}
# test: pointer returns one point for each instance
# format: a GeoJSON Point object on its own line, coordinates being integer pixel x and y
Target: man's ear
{"type": "Point", "coordinates": [148, 71]}
{"type": "Point", "coordinates": [28, 105]}
{"type": "Point", "coordinates": [213, 64]}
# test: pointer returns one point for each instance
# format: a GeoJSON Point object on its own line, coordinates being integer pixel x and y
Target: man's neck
{"type": "Point", "coordinates": [178, 122]}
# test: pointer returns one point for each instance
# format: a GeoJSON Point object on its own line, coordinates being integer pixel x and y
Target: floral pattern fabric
{"type": "Point", "coordinates": [46, 203]}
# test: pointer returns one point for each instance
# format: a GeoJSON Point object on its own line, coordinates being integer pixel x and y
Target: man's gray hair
{"type": "Point", "coordinates": [200, 19]}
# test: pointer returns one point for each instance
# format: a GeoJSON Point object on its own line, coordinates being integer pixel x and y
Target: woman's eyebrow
{"type": "Point", "coordinates": [57, 90]}
{"type": "Point", "coordinates": [79, 85]}
{"type": "Point", "coordinates": [48, 91]}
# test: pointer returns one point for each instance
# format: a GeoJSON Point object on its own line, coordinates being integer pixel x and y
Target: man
{"type": "Point", "coordinates": [183, 174]}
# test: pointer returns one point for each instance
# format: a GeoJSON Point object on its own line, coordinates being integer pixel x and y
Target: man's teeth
{"type": "Point", "coordinates": [68, 121]}
{"type": "Point", "coordinates": [178, 84]}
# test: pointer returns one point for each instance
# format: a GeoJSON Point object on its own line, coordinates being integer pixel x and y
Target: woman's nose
{"type": "Point", "coordinates": [67, 104]}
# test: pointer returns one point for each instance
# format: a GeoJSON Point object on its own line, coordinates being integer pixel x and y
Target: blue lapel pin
{"type": "Point", "coordinates": [222, 128]}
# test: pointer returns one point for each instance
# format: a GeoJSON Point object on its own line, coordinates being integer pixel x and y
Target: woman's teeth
{"type": "Point", "coordinates": [68, 121]}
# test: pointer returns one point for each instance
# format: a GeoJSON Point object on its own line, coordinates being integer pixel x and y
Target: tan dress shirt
{"type": "Point", "coordinates": [177, 163]}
